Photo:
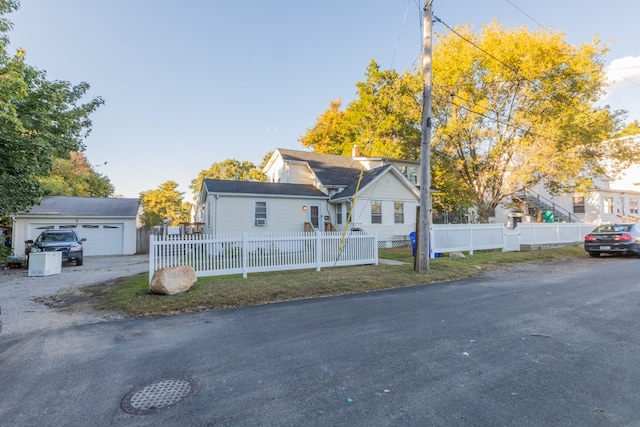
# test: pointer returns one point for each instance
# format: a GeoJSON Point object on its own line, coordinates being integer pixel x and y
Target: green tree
{"type": "Point", "coordinates": [265, 160]}
{"type": "Point", "coordinates": [164, 204]}
{"type": "Point", "coordinates": [75, 176]}
{"type": "Point", "coordinates": [630, 129]}
{"type": "Point", "coordinates": [39, 121]}
{"type": "Point", "coordinates": [230, 169]}
{"type": "Point", "coordinates": [384, 119]}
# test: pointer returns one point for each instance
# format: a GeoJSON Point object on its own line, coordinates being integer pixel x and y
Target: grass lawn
{"type": "Point", "coordinates": [130, 297]}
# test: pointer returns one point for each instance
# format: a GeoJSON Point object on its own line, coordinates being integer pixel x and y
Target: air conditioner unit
{"type": "Point", "coordinates": [261, 222]}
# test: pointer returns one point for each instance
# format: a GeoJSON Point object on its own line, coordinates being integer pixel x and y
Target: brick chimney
{"type": "Point", "coordinates": [355, 151]}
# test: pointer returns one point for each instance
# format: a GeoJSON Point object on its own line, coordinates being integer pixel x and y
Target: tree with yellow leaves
{"type": "Point", "coordinates": [512, 108]}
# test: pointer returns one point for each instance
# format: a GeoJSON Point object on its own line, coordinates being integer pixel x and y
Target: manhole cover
{"type": "Point", "coordinates": [160, 396]}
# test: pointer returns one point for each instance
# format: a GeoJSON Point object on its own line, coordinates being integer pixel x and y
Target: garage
{"type": "Point", "coordinates": [107, 224]}
{"type": "Point", "coordinates": [102, 239]}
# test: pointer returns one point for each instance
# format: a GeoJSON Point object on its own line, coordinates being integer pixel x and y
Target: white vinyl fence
{"type": "Point", "coordinates": [469, 237]}
{"type": "Point", "coordinates": [251, 253]}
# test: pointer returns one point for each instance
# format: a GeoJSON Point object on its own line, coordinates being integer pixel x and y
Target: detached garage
{"type": "Point", "coordinates": [108, 224]}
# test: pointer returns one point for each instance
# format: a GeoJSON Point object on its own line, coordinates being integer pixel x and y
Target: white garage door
{"type": "Point", "coordinates": [102, 239]}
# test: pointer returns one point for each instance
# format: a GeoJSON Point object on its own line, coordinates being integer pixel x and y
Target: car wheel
{"type": "Point", "coordinates": [594, 254]}
{"type": "Point", "coordinates": [78, 261]}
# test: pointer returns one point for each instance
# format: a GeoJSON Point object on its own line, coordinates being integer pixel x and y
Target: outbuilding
{"type": "Point", "coordinates": [107, 224]}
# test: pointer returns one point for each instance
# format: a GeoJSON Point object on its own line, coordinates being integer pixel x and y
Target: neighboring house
{"type": "Point", "coordinates": [108, 224]}
{"type": "Point", "coordinates": [308, 191]}
{"type": "Point", "coordinates": [610, 200]}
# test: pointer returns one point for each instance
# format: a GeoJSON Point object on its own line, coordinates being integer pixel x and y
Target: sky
{"type": "Point", "coordinates": [191, 83]}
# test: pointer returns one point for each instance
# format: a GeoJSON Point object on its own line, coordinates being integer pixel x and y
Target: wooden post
{"type": "Point", "coordinates": [425, 147]}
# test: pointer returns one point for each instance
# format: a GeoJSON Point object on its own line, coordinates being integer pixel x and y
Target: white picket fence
{"type": "Point", "coordinates": [469, 237]}
{"type": "Point", "coordinates": [251, 253]}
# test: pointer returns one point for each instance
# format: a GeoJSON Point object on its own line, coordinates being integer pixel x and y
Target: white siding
{"type": "Point", "coordinates": [299, 174]}
{"type": "Point", "coordinates": [275, 172]}
{"type": "Point", "coordinates": [236, 214]}
{"type": "Point", "coordinates": [388, 189]}
{"type": "Point", "coordinates": [628, 180]}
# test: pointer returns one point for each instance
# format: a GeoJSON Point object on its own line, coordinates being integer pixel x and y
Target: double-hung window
{"type": "Point", "coordinates": [339, 214]}
{"type": "Point", "coordinates": [260, 213]}
{"type": "Point", "coordinates": [376, 212]}
{"type": "Point", "coordinates": [578, 204]}
{"type": "Point", "coordinates": [398, 213]}
{"type": "Point", "coordinates": [608, 205]}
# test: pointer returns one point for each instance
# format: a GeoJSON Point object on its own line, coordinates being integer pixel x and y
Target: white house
{"type": "Point", "coordinates": [308, 191]}
{"type": "Point", "coordinates": [610, 200]}
{"type": "Point", "coordinates": [108, 224]}
{"type": "Point", "coordinates": [238, 206]}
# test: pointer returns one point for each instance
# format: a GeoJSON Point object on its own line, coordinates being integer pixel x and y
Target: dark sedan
{"type": "Point", "coordinates": [613, 239]}
{"type": "Point", "coordinates": [65, 241]}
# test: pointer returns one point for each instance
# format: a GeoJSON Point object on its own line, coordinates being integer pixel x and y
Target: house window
{"type": "Point", "coordinates": [348, 212]}
{"type": "Point", "coordinates": [608, 205]}
{"type": "Point", "coordinates": [578, 204]}
{"type": "Point", "coordinates": [339, 213]}
{"type": "Point", "coordinates": [376, 212]}
{"type": "Point", "coordinates": [633, 206]}
{"type": "Point", "coordinates": [411, 173]}
{"type": "Point", "coordinates": [260, 214]}
{"type": "Point", "coordinates": [398, 213]}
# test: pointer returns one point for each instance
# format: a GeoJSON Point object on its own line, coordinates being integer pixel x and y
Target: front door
{"type": "Point", "coordinates": [314, 216]}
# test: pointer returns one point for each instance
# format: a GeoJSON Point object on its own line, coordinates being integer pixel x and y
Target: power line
{"type": "Point", "coordinates": [524, 13]}
{"type": "Point", "coordinates": [513, 70]}
{"type": "Point", "coordinates": [538, 22]}
{"type": "Point", "coordinates": [404, 20]}
{"type": "Point", "coordinates": [624, 78]}
{"type": "Point", "coordinates": [497, 120]}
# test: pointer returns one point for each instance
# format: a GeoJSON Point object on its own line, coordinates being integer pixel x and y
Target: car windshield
{"type": "Point", "coordinates": [616, 228]}
{"type": "Point", "coordinates": [56, 237]}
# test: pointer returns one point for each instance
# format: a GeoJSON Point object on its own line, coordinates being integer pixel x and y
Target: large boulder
{"type": "Point", "coordinates": [456, 255]}
{"type": "Point", "coordinates": [172, 280]}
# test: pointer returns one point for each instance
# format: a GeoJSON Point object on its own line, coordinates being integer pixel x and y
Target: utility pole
{"type": "Point", "coordinates": [425, 145]}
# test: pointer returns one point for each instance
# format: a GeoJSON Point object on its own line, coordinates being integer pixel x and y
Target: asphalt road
{"type": "Point", "coordinates": [553, 345]}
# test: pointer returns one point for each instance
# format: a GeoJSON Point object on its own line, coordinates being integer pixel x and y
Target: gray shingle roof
{"type": "Point", "coordinates": [86, 206]}
{"type": "Point", "coordinates": [261, 188]}
{"type": "Point", "coordinates": [332, 170]}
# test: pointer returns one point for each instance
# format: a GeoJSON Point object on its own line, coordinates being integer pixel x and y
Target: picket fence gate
{"type": "Point", "coordinates": [245, 253]}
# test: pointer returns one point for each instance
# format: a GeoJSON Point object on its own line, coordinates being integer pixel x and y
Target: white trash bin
{"type": "Point", "coordinates": [45, 263]}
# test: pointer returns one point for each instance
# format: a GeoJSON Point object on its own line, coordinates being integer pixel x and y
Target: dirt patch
{"type": "Point", "coordinates": [81, 300]}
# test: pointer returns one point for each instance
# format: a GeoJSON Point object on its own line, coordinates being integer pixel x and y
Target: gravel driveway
{"type": "Point", "coordinates": [24, 299]}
